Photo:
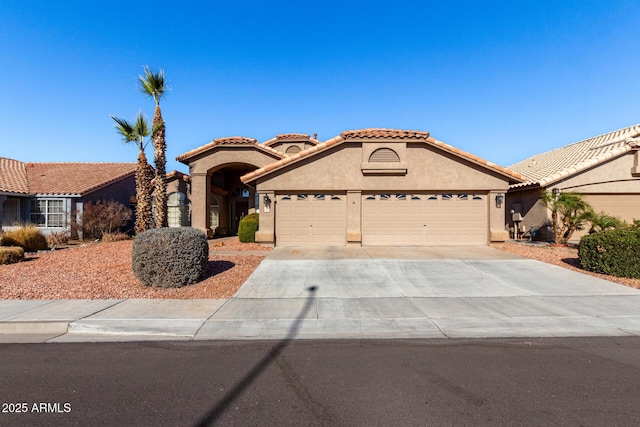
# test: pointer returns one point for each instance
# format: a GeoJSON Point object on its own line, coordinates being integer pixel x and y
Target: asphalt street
{"type": "Point", "coordinates": [517, 381]}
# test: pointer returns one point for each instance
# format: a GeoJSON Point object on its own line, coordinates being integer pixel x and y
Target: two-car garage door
{"type": "Point", "coordinates": [387, 219]}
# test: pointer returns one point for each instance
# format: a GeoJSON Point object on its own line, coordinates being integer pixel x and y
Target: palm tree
{"type": "Point", "coordinates": [602, 221]}
{"type": "Point", "coordinates": [136, 132]}
{"type": "Point", "coordinates": [152, 84]}
{"type": "Point", "coordinates": [569, 212]}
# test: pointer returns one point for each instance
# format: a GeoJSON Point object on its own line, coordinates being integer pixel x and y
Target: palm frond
{"type": "Point", "coordinates": [125, 129]}
{"type": "Point", "coordinates": [152, 83]}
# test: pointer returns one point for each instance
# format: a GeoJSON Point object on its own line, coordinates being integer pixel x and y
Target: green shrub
{"type": "Point", "coordinates": [613, 252]}
{"type": "Point", "coordinates": [170, 257]}
{"type": "Point", "coordinates": [28, 237]}
{"type": "Point", "coordinates": [248, 227]}
{"type": "Point", "coordinates": [11, 254]}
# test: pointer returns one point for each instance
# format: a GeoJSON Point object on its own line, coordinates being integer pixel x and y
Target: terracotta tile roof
{"type": "Point", "coordinates": [385, 133]}
{"type": "Point", "coordinates": [552, 166]}
{"type": "Point", "coordinates": [74, 178]}
{"type": "Point", "coordinates": [13, 176]}
{"type": "Point", "coordinates": [232, 140]}
{"type": "Point", "coordinates": [286, 137]}
{"type": "Point", "coordinates": [378, 133]}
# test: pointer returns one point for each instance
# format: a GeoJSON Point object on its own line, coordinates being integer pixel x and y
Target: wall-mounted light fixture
{"type": "Point", "coordinates": [555, 192]}
{"type": "Point", "coordinates": [499, 200]}
{"type": "Point", "coordinates": [267, 200]}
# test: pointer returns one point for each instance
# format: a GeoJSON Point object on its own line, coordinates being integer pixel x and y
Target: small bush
{"type": "Point", "coordinates": [11, 254]}
{"type": "Point", "coordinates": [613, 252]}
{"type": "Point", "coordinates": [115, 237]}
{"type": "Point", "coordinates": [56, 239]}
{"type": "Point", "coordinates": [248, 227]}
{"type": "Point", "coordinates": [28, 237]}
{"type": "Point", "coordinates": [170, 257]}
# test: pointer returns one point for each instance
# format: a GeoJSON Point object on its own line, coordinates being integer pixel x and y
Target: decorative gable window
{"type": "Point", "coordinates": [384, 161]}
{"type": "Point", "coordinates": [47, 213]}
{"type": "Point", "coordinates": [384, 155]}
{"type": "Point", "coordinates": [292, 150]}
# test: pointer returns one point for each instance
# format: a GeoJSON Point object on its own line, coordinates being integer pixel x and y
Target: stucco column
{"type": "Point", "coordinates": [200, 201]}
{"type": "Point", "coordinates": [266, 230]}
{"type": "Point", "coordinates": [354, 215]}
{"type": "Point", "coordinates": [497, 232]}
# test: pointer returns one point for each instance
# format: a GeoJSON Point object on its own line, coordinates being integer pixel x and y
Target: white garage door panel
{"type": "Point", "coordinates": [310, 220]}
{"type": "Point", "coordinates": [424, 219]}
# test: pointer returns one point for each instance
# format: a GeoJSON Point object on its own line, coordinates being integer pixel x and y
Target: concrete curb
{"type": "Point", "coordinates": [41, 327]}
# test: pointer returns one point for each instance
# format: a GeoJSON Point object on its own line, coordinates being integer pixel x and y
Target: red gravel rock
{"type": "Point", "coordinates": [563, 256]}
{"type": "Point", "coordinates": [103, 271]}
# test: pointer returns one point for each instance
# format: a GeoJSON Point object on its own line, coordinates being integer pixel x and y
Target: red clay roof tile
{"type": "Point", "coordinates": [13, 176]}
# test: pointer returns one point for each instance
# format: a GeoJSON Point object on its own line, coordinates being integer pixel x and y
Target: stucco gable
{"type": "Point", "coordinates": [378, 135]}
{"type": "Point", "coordinates": [233, 141]}
{"type": "Point", "coordinates": [547, 168]}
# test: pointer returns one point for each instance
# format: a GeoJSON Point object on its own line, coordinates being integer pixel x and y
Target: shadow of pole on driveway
{"type": "Point", "coordinates": [268, 359]}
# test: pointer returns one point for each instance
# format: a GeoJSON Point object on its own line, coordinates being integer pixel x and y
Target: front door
{"type": "Point", "coordinates": [238, 209]}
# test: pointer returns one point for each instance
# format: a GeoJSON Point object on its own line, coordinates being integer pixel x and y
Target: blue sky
{"type": "Point", "coordinates": [501, 79]}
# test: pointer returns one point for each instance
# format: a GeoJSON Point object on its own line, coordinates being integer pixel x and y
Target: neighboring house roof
{"type": "Point", "coordinates": [291, 137]}
{"type": "Point", "coordinates": [379, 133]}
{"type": "Point", "coordinates": [74, 178]}
{"type": "Point", "coordinates": [547, 168]}
{"type": "Point", "coordinates": [228, 141]}
{"type": "Point", "coordinates": [13, 176]}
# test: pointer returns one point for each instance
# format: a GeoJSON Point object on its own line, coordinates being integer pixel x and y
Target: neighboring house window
{"type": "Point", "coordinates": [47, 213]}
{"type": "Point", "coordinates": [11, 212]}
{"type": "Point", "coordinates": [384, 155]}
{"type": "Point", "coordinates": [214, 212]}
{"type": "Point", "coordinates": [178, 209]}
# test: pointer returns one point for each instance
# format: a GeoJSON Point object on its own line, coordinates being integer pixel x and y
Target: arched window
{"type": "Point", "coordinates": [177, 209]}
{"type": "Point", "coordinates": [384, 155]}
{"type": "Point", "coordinates": [214, 213]}
{"type": "Point", "coordinates": [292, 150]}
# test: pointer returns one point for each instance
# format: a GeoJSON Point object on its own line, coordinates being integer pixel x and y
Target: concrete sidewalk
{"type": "Point", "coordinates": [355, 293]}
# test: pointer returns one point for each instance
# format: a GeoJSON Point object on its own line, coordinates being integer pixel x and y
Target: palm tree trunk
{"type": "Point", "coordinates": [160, 160]}
{"type": "Point", "coordinates": [144, 210]}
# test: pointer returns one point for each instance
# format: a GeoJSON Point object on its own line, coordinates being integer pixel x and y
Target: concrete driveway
{"type": "Point", "coordinates": [407, 292]}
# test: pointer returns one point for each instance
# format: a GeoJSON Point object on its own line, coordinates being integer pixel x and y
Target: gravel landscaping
{"type": "Point", "coordinates": [103, 271]}
{"type": "Point", "coordinates": [566, 257]}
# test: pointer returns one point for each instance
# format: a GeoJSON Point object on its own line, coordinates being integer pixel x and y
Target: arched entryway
{"type": "Point", "coordinates": [229, 200]}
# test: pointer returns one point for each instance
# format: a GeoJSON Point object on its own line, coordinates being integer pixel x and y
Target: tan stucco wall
{"type": "Point", "coordinates": [200, 169]}
{"type": "Point", "coordinates": [614, 176]}
{"type": "Point", "coordinates": [229, 154]}
{"type": "Point", "coordinates": [340, 170]}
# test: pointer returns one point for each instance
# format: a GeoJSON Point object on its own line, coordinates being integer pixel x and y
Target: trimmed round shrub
{"type": "Point", "coordinates": [612, 252]}
{"type": "Point", "coordinates": [11, 254]}
{"type": "Point", "coordinates": [170, 257]}
{"type": "Point", "coordinates": [248, 227]}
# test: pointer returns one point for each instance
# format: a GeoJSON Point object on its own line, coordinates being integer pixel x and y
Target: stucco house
{"type": "Point", "coordinates": [363, 187]}
{"type": "Point", "coordinates": [605, 168]}
{"type": "Point", "coordinates": [52, 195]}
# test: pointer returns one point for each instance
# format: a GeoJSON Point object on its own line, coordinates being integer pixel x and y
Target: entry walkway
{"type": "Point", "coordinates": [439, 292]}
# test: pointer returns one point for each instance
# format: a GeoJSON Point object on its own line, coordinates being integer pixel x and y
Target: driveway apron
{"type": "Point", "coordinates": [420, 292]}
